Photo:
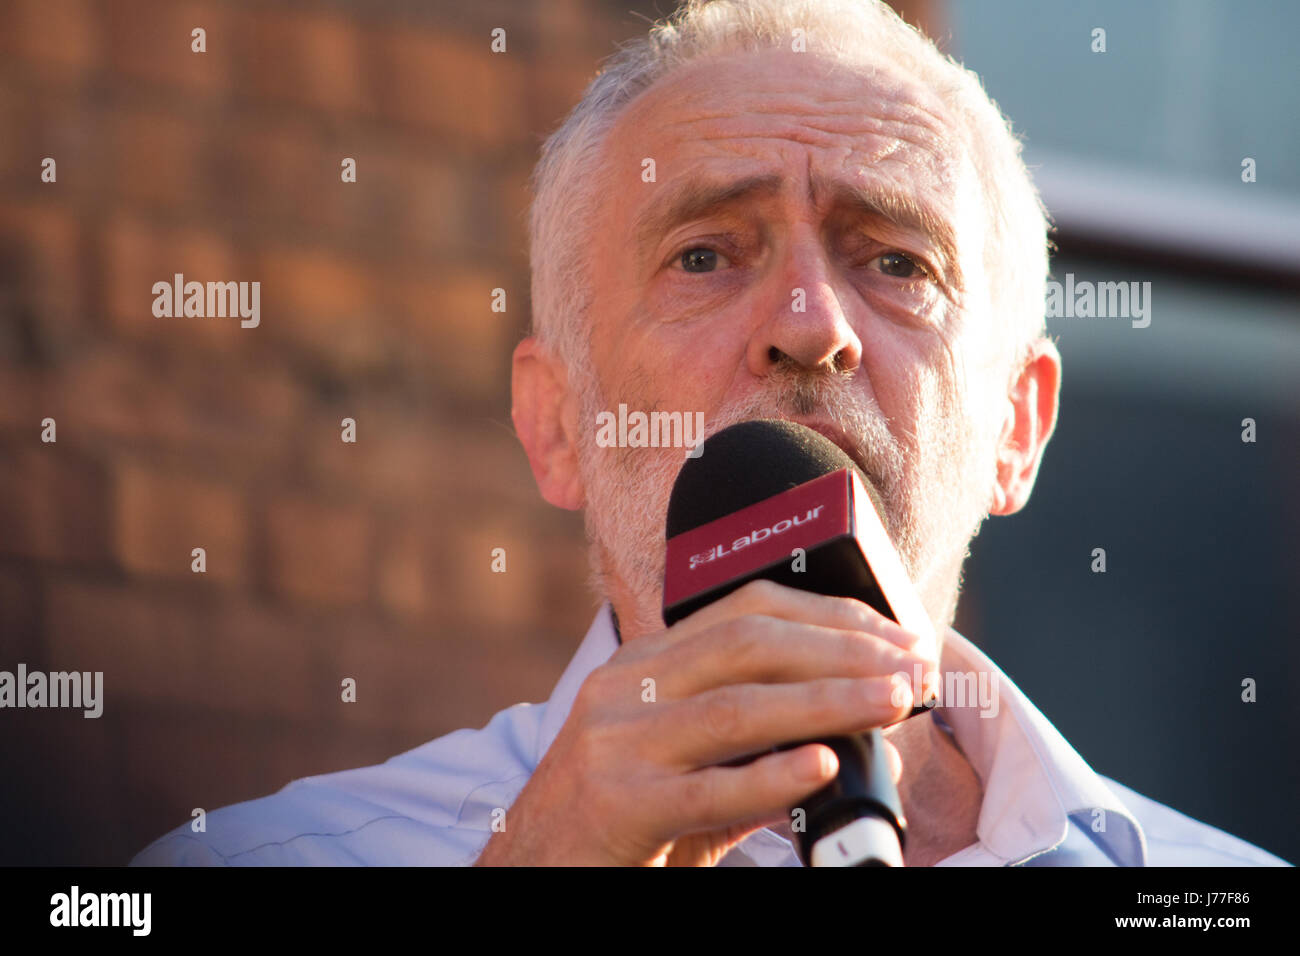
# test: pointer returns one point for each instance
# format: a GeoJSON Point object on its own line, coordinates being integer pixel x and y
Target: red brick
{"type": "Point", "coordinates": [402, 572]}
{"type": "Point", "coordinates": [395, 459]}
{"type": "Point", "coordinates": [186, 649]}
{"type": "Point", "coordinates": [513, 197]}
{"type": "Point", "coordinates": [46, 114]}
{"type": "Point", "coordinates": [63, 33]}
{"type": "Point", "coordinates": [417, 201]}
{"type": "Point", "coordinates": [409, 462]}
{"type": "Point", "coordinates": [491, 465]}
{"type": "Point", "coordinates": [49, 237]}
{"type": "Point", "coordinates": [150, 40]}
{"type": "Point", "coordinates": [161, 518]}
{"type": "Point", "coordinates": [53, 502]}
{"type": "Point", "coordinates": [449, 317]}
{"type": "Point", "coordinates": [138, 254]}
{"type": "Point", "coordinates": [562, 606]}
{"type": "Point", "coordinates": [375, 559]}
{"type": "Point", "coordinates": [285, 175]}
{"type": "Point", "coordinates": [450, 84]}
{"type": "Point", "coordinates": [555, 87]}
{"type": "Point", "coordinates": [508, 597]}
{"type": "Point", "coordinates": [18, 158]}
{"type": "Point", "coordinates": [325, 305]}
{"type": "Point", "coordinates": [49, 277]}
{"type": "Point", "coordinates": [159, 159]}
{"type": "Point", "coordinates": [316, 283]}
{"type": "Point", "coordinates": [231, 419]}
{"type": "Point", "coordinates": [446, 677]}
{"type": "Point", "coordinates": [307, 58]}
{"type": "Point", "coordinates": [25, 399]}
{"type": "Point", "coordinates": [566, 27]}
{"type": "Point", "coordinates": [319, 553]}
{"type": "Point", "coordinates": [108, 396]}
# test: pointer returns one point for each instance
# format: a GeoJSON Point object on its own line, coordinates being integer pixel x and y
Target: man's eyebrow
{"type": "Point", "coordinates": [904, 211]}
{"type": "Point", "coordinates": [696, 198]}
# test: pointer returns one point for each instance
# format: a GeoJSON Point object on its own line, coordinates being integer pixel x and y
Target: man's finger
{"type": "Point", "coordinates": [895, 762]}
{"type": "Point", "coordinates": [756, 649]}
{"type": "Point", "coordinates": [791, 604]}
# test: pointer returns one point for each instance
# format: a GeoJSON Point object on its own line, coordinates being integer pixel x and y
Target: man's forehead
{"type": "Point", "coordinates": [732, 85]}
{"type": "Point", "coordinates": [726, 127]}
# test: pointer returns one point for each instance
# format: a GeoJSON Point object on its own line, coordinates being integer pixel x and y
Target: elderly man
{"type": "Point", "coordinates": [783, 210]}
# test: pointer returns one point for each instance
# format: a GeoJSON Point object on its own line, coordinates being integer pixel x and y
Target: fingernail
{"type": "Point", "coordinates": [828, 763]}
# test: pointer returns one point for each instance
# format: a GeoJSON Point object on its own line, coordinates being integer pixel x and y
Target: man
{"type": "Point", "coordinates": [767, 209]}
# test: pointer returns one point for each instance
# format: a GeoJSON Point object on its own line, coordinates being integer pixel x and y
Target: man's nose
{"type": "Point", "coordinates": [806, 323]}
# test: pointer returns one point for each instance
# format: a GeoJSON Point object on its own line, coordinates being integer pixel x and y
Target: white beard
{"type": "Point", "coordinates": [935, 487]}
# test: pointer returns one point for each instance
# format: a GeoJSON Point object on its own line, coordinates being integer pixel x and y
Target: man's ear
{"type": "Point", "coordinates": [545, 413]}
{"type": "Point", "coordinates": [1031, 418]}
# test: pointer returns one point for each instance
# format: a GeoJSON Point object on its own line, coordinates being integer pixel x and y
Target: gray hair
{"type": "Point", "coordinates": [566, 181]}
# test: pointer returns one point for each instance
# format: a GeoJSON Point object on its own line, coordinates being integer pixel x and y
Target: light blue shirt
{"type": "Point", "coordinates": [435, 805]}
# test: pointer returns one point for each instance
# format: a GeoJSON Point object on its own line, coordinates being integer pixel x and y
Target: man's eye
{"type": "Point", "coordinates": [899, 265]}
{"type": "Point", "coordinates": [700, 259]}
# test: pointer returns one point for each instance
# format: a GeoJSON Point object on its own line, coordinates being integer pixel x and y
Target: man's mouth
{"type": "Point", "coordinates": [840, 440]}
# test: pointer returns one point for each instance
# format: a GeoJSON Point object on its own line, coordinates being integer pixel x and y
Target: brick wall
{"type": "Point", "coordinates": [325, 560]}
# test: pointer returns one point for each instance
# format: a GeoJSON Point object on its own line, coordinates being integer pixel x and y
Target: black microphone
{"type": "Point", "coordinates": [776, 500]}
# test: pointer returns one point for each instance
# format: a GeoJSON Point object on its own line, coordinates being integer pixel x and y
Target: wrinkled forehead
{"type": "Point", "coordinates": [877, 102]}
{"type": "Point", "coordinates": [853, 120]}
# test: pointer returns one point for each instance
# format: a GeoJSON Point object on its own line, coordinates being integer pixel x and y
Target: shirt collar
{"type": "Point", "coordinates": [1035, 784]}
{"type": "Point", "coordinates": [597, 647]}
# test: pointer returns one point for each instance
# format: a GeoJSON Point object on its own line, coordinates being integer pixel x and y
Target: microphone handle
{"type": "Point", "coordinates": [856, 819]}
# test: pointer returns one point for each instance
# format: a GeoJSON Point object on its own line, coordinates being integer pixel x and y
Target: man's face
{"type": "Point", "coordinates": [844, 289]}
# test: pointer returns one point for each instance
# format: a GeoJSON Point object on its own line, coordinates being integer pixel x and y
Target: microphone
{"type": "Point", "coordinates": [775, 500]}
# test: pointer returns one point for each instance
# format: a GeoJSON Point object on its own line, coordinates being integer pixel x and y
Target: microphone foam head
{"type": "Point", "coordinates": [748, 462]}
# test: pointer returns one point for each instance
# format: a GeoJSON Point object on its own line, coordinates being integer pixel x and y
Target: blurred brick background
{"type": "Point", "coordinates": [325, 560]}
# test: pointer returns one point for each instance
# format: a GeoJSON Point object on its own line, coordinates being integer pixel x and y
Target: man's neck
{"type": "Point", "coordinates": [940, 791]}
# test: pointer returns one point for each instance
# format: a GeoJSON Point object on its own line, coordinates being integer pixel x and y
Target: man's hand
{"type": "Point", "coordinates": [632, 782]}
